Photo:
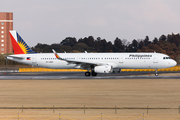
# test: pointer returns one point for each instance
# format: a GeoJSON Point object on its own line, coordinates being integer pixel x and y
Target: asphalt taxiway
{"type": "Point", "coordinates": [80, 75]}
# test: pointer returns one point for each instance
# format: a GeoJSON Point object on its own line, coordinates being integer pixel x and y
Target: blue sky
{"type": "Point", "coordinates": [50, 21]}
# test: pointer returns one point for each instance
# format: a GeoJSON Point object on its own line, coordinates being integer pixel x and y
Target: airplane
{"type": "Point", "coordinates": [94, 63]}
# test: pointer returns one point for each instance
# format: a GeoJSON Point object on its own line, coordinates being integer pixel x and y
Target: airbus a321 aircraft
{"type": "Point", "coordinates": [92, 62]}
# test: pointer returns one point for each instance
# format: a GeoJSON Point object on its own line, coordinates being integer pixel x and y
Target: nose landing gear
{"type": "Point", "coordinates": [156, 72]}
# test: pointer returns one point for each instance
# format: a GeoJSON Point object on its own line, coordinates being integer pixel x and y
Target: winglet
{"type": "Point", "coordinates": [55, 53]}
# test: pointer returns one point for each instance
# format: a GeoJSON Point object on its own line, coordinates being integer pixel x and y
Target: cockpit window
{"type": "Point", "coordinates": [166, 58]}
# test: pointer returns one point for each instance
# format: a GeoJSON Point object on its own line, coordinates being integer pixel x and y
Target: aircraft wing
{"type": "Point", "coordinates": [77, 61]}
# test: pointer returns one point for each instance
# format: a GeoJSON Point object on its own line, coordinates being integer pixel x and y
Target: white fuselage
{"type": "Point", "coordinates": [116, 60]}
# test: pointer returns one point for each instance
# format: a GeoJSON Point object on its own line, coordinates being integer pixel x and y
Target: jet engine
{"type": "Point", "coordinates": [103, 69]}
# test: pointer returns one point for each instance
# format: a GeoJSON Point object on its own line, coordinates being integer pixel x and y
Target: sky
{"type": "Point", "coordinates": [51, 21]}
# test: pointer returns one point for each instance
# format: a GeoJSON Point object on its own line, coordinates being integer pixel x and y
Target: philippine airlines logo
{"type": "Point", "coordinates": [136, 55]}
{"type": "Point", "coordinates": [25, 48]}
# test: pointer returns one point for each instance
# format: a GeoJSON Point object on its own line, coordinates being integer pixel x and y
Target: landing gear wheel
{"type": "Point", "coordinates": [94, 74]}
{"type": "Point", "coordinates": [87, 73]}
{"type": "Point", "coordinates": [156, 72]}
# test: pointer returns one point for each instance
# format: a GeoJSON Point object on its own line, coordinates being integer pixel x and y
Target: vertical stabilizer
{"type": "Point", "coordinates": [19, 45]}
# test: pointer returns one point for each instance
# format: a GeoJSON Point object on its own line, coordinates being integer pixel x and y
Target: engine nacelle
{"type": "Point", "coordinates": [103, 69]}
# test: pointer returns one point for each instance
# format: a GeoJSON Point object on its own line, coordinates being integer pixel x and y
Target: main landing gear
{"type": "Point", "coordinates": [87, 73]}
{"type": "Point", "coordinates": [90, 73]}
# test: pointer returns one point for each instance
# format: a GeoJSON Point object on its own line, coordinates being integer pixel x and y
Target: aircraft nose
{"type": "Point", "coordinates": [173, 63]}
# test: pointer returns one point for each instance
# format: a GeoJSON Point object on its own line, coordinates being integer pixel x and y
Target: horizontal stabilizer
{"type": "Point", "coordinates": [11, 57]}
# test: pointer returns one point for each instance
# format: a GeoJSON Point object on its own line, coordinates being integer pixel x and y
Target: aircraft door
{"type": "Point", "coordinates": [78, 58]}
{"type": "Point", "coordinates": [155, 59]}
{"type": "Point", "coordinates": [121, 59]}
{"type": "Point", "coordinates": [34, 62]}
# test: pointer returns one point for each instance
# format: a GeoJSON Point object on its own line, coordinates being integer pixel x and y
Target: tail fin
{"type": "Point", "coordinates": [19, 45]}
